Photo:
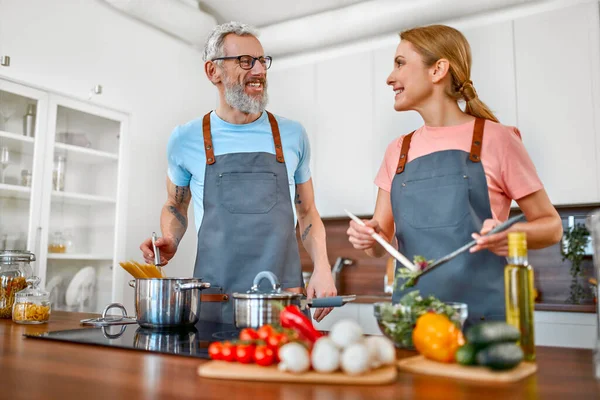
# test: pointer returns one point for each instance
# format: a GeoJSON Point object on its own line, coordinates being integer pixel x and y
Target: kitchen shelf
{"type": "Point", "coordinates": [81, 199]}
{"type": "Point", "coordinates": [14, 191]}
{"type": "Point", "coordinates": [79, 256]}
{"type": "Point", "coordinates": [17, 143]}
{"type": "Point", "coordinates": [84, 155]}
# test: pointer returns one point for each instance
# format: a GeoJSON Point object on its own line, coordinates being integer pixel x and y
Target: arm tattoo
{"type": "Point", "coordinates": [180, 194]}
{"type": "Point", "coordinates": [297, 201]}
{"type": "Point", "coordinates": [305, 233]}
{"type": "Point", "coordinates": [180, 217]}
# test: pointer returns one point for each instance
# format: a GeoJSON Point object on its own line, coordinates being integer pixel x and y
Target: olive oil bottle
{"type": "Point", "coordinates": [519, 292]}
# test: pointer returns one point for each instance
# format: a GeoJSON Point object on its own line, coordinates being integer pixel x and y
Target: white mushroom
{"type": "Point", "coordinates": [325, 355]}
{"type": "Point", "coordinates": [381, 351]}
{"type": "Point", "coordinates": [346, 332]}
{"type": "Point", "coordinates": [355, 359]}
{"type": "Point", "coordinates": [294, 358]}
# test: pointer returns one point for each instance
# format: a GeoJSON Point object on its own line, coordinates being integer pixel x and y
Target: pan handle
{"type": "Point", "coordinates": [193, 285]}
{"type": "Point", "coordinates": [115, 305]}
{"type": "Point", "coordinates": [335, 301]}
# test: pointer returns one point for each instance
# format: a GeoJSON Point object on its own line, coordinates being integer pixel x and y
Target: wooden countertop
{"type": "Point", "coordinates": [36, 369]}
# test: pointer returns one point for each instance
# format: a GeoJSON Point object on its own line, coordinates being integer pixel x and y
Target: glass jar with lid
{"type": "Point", "coordinates": [32, 305]}
{"type": "Point", "coordinates": [15, 268]}
{"type": "Point", "coordinates": [57, 243]}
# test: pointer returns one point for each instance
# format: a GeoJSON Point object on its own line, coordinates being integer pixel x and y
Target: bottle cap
{"type": "Point", "coordinates": [517, 244]}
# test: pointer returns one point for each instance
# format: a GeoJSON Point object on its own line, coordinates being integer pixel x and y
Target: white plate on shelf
{"type": "Point", "coordinates": [84, 279]}
{"type": "Point", "coordinates": [53, 288]}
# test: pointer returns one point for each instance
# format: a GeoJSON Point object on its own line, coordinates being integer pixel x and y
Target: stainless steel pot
{"type": "Point", "coordinates": [167, 302]}
{"type": "Point", "coordinates": [256, 308]}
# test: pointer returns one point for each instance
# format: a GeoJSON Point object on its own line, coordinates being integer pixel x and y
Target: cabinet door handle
{"type": "Point", "coordinates": [5, 61]}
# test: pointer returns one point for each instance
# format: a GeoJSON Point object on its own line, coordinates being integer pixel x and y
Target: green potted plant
{"type": "Point", "coordinates": [575, 241]}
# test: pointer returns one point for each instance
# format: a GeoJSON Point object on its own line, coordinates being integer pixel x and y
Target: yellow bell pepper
{"type": "Point", "coordinates": [436, 337]}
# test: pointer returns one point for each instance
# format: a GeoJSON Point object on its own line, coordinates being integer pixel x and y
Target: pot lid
{"type": "Point", "coordinates": [11, 256]}
{"type": "Point", "coordinates": [274, 293]}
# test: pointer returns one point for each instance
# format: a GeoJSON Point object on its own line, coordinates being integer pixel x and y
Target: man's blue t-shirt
{"type": "Point", "coordinates": [187, 158]}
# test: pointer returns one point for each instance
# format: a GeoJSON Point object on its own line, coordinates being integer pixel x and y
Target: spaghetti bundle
{"type": "Point", "coordinates": [138, 270]}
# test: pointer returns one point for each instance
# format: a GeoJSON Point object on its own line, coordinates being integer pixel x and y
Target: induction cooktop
{"type": "Point", "coordinates": [192, 341]}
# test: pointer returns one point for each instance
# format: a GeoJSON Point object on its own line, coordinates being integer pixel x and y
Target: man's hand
{"type": "Point", "coordinates": [321, 285]}
{"type": "Point", "coordinates": [166, 245]}
{"type": "Point", "coordinates": [496, 243]}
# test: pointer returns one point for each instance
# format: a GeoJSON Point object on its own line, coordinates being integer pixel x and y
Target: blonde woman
{"type": "Point", "coordinates": [454, 178]}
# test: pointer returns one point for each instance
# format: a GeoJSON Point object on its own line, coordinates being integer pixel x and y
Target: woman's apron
{"type": "Point", "coordinates": [438, 201]}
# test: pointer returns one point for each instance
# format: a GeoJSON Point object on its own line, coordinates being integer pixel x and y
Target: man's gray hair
{"type": "Point", "coordinates": [213, 48]}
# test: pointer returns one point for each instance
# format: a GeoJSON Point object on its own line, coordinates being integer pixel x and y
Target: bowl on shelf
{"type": "Point", "coordinates": [397, 321]}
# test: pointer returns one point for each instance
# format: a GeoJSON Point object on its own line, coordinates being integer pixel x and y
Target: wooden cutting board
{"type": "Point", "coordinates": [252, 372]}
{"type": "Point", "coordinates": [421, 365]}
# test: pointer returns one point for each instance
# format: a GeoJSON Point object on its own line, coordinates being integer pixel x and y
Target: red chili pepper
{"type": "Point", "coordinates": [292, 317]}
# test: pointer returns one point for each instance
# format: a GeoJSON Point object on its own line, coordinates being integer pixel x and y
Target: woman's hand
{"type": "Point", "coordinates": [360, 236]}
{"type": "Point", "coordinates": [496, 243]}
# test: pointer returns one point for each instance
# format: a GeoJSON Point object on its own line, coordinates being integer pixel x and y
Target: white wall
{"type": "Point", "coordinates": [69, 46]}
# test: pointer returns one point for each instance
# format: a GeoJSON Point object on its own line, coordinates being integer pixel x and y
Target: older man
{"type": "Point", "coordinates": [248, 174]}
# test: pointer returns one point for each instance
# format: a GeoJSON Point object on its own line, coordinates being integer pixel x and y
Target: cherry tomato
{"type": "Point", "coordinates": [248, 334]}
{"type": "Point", "coordinates": [265, 331]}
{"type": "Point", "coordinates": [245, 353]}
{"type": "Point", "coordinates": [277, 340]}
{"type": "Point", "coordinates": [264, 355]}
{"type": "Point", "coordinates": [214, 350]}
{"type": "Point", "coordinates": [228, 352]}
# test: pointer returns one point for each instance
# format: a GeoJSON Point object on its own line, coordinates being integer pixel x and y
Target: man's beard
{"type": "Point", "coordinates": [237, 98]}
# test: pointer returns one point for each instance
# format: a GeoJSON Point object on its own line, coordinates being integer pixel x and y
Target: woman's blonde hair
{"type": "Point", "coordinates": [440, 41]}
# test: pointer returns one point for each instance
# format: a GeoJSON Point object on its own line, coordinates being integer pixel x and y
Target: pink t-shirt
{"type": "Point", "coordinates": [509, 171]}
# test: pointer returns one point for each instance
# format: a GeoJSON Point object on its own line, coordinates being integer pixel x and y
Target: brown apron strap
{"type": "Point", "coordinates": [475, 155]}
{"type": "Point", "coordinates": [208, 145]}
{"type": "Point", "coordinates": [404, 153]}
{"type": "Point", "coordinates": [214, 298]}
{"type": "Point", "coordinates": [276, 137]}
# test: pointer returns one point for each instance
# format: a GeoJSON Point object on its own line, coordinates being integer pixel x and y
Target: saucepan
{"type": "Point", "coordinates": [256, 308]}
{"type": "Point", "coordinates": [167, 302]}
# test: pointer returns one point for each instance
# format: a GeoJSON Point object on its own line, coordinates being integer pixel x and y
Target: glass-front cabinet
{"type": "Point", "coordinates": [60, 193]}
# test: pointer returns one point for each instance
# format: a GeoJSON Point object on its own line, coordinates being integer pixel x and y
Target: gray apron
{"type": "Point", "coordinates": [248, 225]}
{"type": "Point", "coordinates": [438, 201]}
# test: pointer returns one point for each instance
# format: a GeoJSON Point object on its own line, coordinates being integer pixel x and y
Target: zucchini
{"type": "Point", "coordinates": [466, 354]}
{"type": "Point", "coordinates": [487, 333]}
{"type": "Point", "coordinates": [500, 356]}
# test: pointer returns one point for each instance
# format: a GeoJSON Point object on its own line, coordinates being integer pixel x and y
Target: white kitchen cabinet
{"type": "Point", "coordinates": [344, 135]}
{"type": "Point", "coordinates": [20, 204]}
{"type": "Point", "coordinates": [565, 329]}
{"type": "Point", "coordinates": [556, 55]}
{"type": "Point", "coordinates": [388, 124]}
{"type": "Point", "coordinates": [292, 95]}
{"type": "Point", "coordinates": [493, 68]}
{"type": "Point", "coordinates": [80, 224]}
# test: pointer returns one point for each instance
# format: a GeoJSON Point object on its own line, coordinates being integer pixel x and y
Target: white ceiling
{"type": "Point", "coordinates": [289, 27]}
{"type": "Point", "coordinates": [267, 12]}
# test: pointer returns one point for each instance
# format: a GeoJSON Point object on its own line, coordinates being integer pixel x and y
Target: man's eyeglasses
{"type": "Point", "coordinates": [247, 62]}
